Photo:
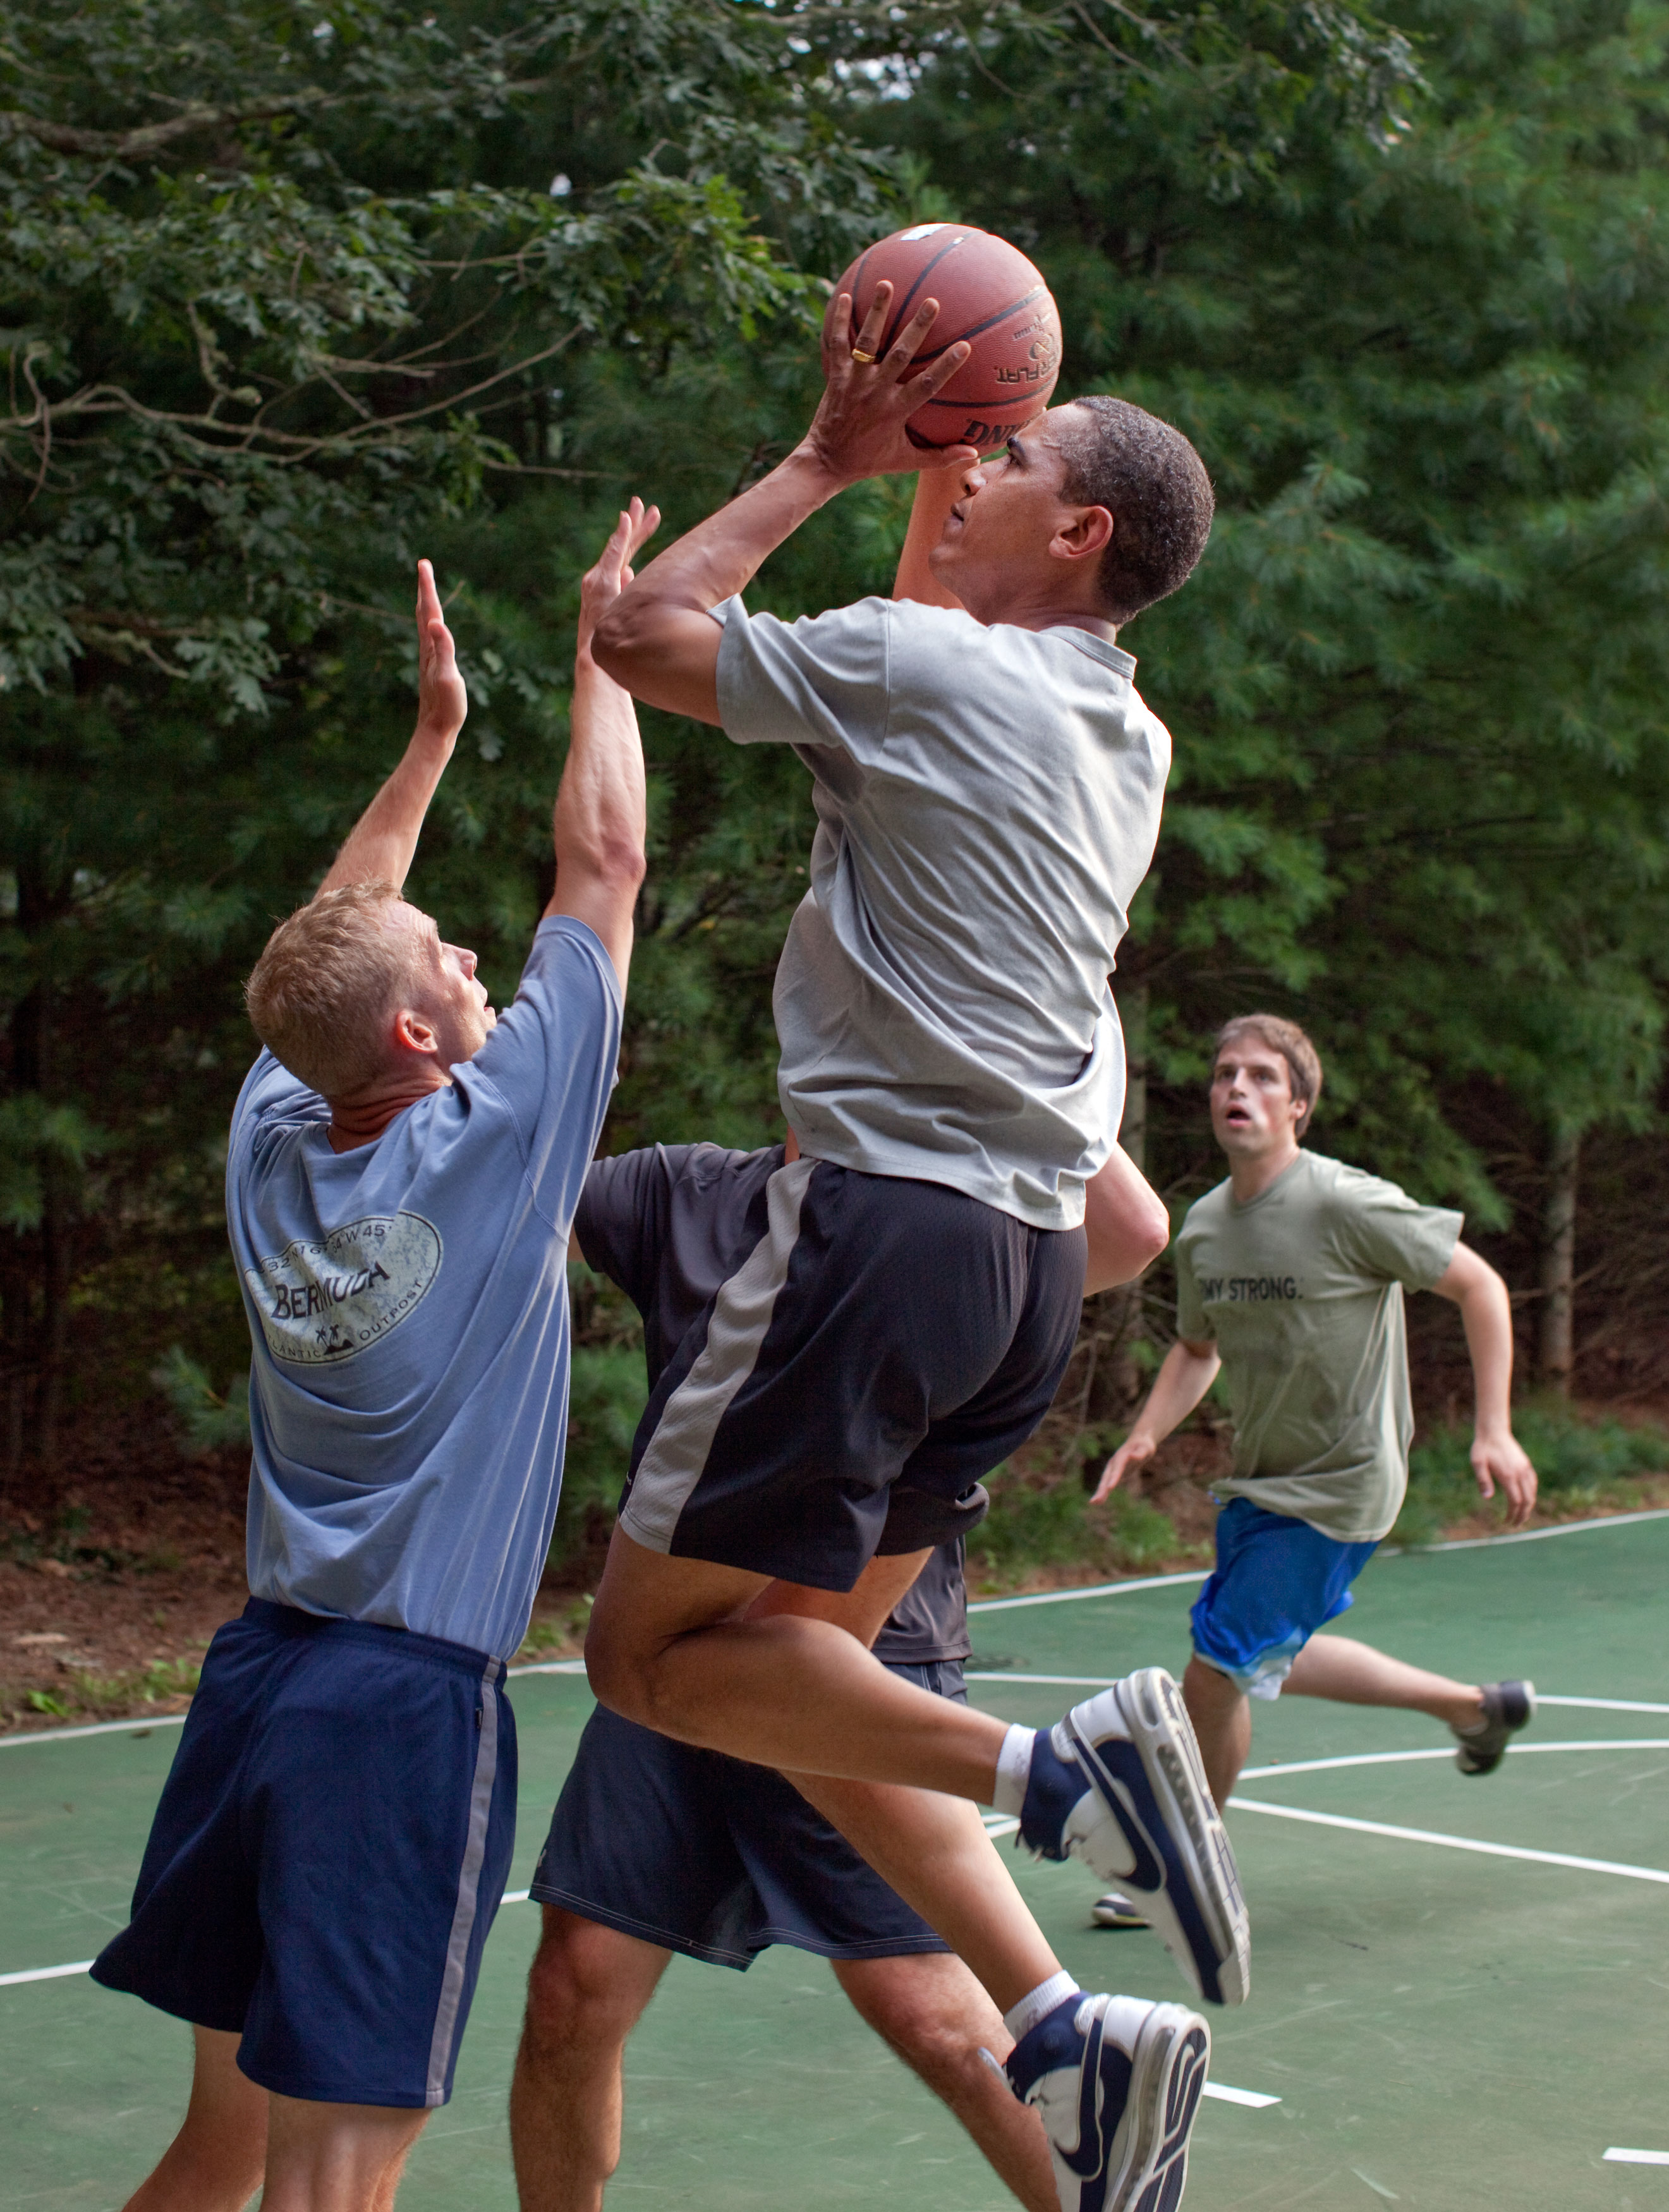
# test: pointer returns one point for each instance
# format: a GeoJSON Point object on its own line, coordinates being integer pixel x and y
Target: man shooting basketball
{"type": "Point", "coordinates": [988, 787]}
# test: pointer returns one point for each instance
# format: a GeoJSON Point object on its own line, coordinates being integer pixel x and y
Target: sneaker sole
{"type": "Point", "coordinates": [1168, 2072]}
{"type": "Point", "coordinates": [1151, 1707]}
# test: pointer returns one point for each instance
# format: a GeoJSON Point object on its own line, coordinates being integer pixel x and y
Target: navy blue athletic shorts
{"type": "Point", "coordinates": [708, 1855]}
{"type": "Point", "coordinates": [879, 1330]}
{"type": "Point", "coordinates": [327, 1857]}
{"type": "Point", "coordinates": [1275, 1582]}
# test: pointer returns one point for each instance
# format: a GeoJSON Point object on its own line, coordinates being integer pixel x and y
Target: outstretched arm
{"type": "Point", "coordinates": [1187, 1373]}
{"type": "Point", "coordinates": [658, 638]}
{"type": "Point", "coordinates": [1499, 1460]}
{"type": "Point", "coordinates": [379, 847]}
{"type": "Point", "coordinates": [599, 822]}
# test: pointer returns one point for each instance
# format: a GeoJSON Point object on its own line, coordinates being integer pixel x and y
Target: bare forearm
{"type": "Point", "coordinates": [1486, 1313]}
{"type": "Point", "coordinates": [709, 563]}
{"type": "Point", "coordinates": [599, 823]}
{"type": "Point", "coordinates": [381, 846]}
{"type": "Point", "coordinates": [937, 491]}
{"type": "Point", "coordinates": [1182, 1380]}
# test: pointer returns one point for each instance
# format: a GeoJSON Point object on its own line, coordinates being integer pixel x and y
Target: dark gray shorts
{"type": "Point", "coordinates": [880, 1331]}
{"type": "Point", "coordinates": [711, 1857]}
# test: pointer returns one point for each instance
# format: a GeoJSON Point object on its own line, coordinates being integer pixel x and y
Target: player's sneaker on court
{"type": "Point", "coordinates": [1116, 2083]}
{"type": "Point", "coordinates": [1115, 1909]}
{"type": "Point", "coordinates": [1508, 1707]}
{"type": "Point", "coordinates": [1118, 1784]}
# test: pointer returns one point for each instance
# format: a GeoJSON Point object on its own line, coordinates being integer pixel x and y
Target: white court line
{"type": "Point", "coordinates": [1602, 1704]}
{"type": "Point", "coordinates": [1412, 1551]}
{"type": "Point", "coordinates": [1396, 1757]}
{"type": "Point", "coordinates": [137, 1727]}
{"type": "Point", "coordinates": [1639, 2157]}
{"type": "Point", "coordinates": [1255, 2097]}
{"type": "Point", "coordinates": [44, 1973]}
{"type": "Point", "coordinates": [1101, 1590]}
{"type": "Point", "coordinates": [1451, 1843]}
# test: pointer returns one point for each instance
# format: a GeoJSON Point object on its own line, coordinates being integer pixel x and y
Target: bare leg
{"type": "Point", "coordinates": [216, 2162]}
{"type": "Point", "coordinates": [336, 2157]}
{"type": "Point", "coordinates": [669, 1647]}
{"type": "Point", "coordinates": [1353, 1673]}
{"type": "Point", "coordinates": [934, 1851]}
{"type": "Point", "coordinates": [935, 2015]}
{"type": "Point", "coordinates": [586, 1992]}
{"type": "Point", "coordinates": [1222, 1717]}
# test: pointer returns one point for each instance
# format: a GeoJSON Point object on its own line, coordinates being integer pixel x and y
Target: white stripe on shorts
{"type": "Point", "coordinates": [671, 1466]}
{"type": "Point", "coordinates": [469, 1886]}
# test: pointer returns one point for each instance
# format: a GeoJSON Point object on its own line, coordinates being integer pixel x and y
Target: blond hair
{"type": "Point", "coordinates": [1303, 1059]}
{"type": "Point", "coordinates": [321, 994]}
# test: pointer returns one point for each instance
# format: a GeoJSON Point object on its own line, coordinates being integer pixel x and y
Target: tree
{"type": "Point", "coordinates": [1422, 792]}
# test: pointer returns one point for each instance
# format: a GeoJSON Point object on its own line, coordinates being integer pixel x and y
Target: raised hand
{"type": "Point", "coordinates": [601, 586]}
{"type": "Point", "coordinates": [442, 701]}
{"type": "Point", "coordinates": [858, 427]}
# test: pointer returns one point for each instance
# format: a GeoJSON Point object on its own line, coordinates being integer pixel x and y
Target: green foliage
{"type": "Point", "coordinates": [1580, 1464]}
{"type": "Point", "coordinates": [208, 1420]}
{"type": "Point", "coordinates": [1036, 1522]}
{"type": "Point", "coordinates": [606, 1398]}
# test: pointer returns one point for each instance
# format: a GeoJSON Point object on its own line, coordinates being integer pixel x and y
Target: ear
{"type": "Point", "coordinates": [1082, 534]}
{"type": "Point", "coordinates": [411, 1033]}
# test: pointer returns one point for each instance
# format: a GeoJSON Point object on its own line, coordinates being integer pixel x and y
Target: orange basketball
{"type": "Point", "coordinates": [989, 293]}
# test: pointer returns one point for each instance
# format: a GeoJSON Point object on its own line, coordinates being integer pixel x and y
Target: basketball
{"type": "Point", "coordinates": [989, 293]}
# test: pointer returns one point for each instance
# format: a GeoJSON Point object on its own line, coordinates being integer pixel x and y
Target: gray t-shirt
{"type": "Point", "coordinates": [1301, 1289]}
{"type": "Point", "coordinates": [987, 804]}
{"type": "Point", "coordinates": [670, 1223]}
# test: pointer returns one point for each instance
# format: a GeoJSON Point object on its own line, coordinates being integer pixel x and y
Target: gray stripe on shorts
{"type": "Point", "coordinates": [678, 1452]}
{"type": "Point", "coordinates": [469, 1883]}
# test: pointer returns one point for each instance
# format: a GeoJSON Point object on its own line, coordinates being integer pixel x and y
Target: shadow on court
{"type": "Point", "coordinates": [1444, 2028]}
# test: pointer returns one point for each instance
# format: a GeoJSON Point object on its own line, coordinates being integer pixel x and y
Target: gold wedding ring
{"type": "Point", "coordinates": [868, 359]}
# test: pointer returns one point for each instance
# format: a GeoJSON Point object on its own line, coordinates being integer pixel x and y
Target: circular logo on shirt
{"type": "Point", "coordinates": [322, 1301]}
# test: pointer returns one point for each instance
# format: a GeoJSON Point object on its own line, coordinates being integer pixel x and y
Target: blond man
{"type": "Point", "coordinates": [333, 1839]}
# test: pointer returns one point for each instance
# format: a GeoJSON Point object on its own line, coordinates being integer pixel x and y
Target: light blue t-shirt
{"type": "Point", "coordinates": [408, 1303]}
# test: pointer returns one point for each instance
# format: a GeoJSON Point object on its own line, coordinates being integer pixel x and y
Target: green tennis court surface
{"type": "Point", "coordinates": [1442, 2028]}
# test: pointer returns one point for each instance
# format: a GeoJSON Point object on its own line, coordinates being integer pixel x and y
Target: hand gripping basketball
{"type": "Point", "coordinates": [858, 427]}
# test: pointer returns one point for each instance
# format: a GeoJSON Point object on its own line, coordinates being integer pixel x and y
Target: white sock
{"type": "Point", "coordinates": [1040, 2004]}
{"type": "Point", "coordinates": [1013, 1772]}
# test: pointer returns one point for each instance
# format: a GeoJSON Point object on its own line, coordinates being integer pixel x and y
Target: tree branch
{"type": "Point", "coordinates": [152, 138]}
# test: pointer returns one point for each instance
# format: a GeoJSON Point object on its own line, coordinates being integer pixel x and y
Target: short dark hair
{"type": "Point", "coordinates": [1154, 486]}
{"type": "Point", "coordinates": [1303, 1059]}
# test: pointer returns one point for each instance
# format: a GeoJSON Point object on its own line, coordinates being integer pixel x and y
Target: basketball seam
{"type": "Point", "coordinates": [922, 275]}
{"type": "Point", "coordinates": [921, 360]}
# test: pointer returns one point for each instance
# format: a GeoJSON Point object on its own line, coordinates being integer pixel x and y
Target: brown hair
{"type": "Point", "coordinates": [1303, 1059]}
{"type": "Point", "coordinates": [330, 976]}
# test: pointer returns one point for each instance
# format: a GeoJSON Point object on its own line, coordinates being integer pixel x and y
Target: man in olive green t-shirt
{"type": "Point", "coordinates": [1291, 1278]}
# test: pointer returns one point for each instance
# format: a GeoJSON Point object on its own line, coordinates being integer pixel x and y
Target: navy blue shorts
{"type": "Point", "coordinates": [1276, 1581]}
{"type": "Point", "coordinates": [708, 1855]}
{"type": "Point", "coordinates": [327, 1857]}
{"type": "Point", "coordinates": [879, 1331]}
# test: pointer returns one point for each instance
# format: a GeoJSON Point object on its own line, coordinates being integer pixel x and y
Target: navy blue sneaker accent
{"type": "Point", "coordinates": [1054, 1786]}
{"type": "Point", "coordinates": [1117, 2121]}
{"type": "Point", "coordinates": [1148, 1822]}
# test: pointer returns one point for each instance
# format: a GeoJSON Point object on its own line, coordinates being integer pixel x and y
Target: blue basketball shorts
{"type": "Point", "coordinates": [1276, 1581]}
{"type": "Point", "coordinates": [327, 1856]}
{"type": "Point", "coordinates": [708, 1855]}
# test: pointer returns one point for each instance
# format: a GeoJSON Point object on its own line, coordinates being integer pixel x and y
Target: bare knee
{"type": "Point", "coordinates": [588, 1985]}
{"type": "Point", "coordinates": [932, 2012]}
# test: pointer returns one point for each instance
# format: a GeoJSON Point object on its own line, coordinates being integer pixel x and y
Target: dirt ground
{"type": "Point", "coordinates": [112, 1585]}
